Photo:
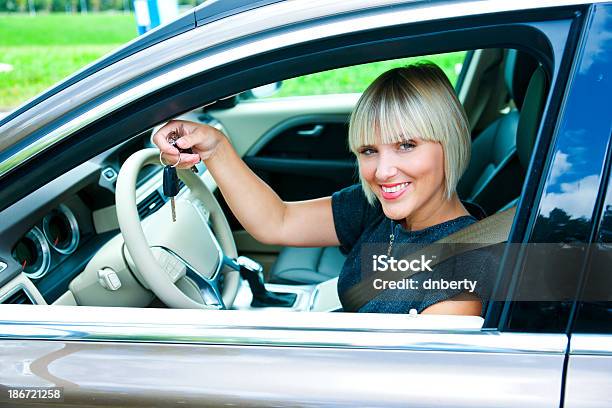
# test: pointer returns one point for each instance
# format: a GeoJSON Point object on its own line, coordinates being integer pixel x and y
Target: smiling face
{"type": "Point", "coordinates": [412, 140]}
{"type": "Point", "coordinates": [407, 177]}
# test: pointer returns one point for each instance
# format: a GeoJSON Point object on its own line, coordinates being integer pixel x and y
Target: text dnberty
{"type": "Point", "coordinates": [427, 284]}
{"type": "Point", "coordinates": [382, 263]}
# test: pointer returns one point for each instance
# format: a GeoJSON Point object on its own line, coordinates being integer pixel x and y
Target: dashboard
{"type": "Point", "coordinates": [59, 231]}
{"type": "Point", "coordinates": [55, 231]}
{"type": "Point", "coordinates": [51, 247]}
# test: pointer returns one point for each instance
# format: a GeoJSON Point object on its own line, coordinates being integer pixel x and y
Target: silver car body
{"type": "Point", "coordinates": [147, 357]}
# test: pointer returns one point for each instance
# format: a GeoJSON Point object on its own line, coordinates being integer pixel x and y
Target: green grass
{"type": "Point", "coordinates": [357, 78]}
{"type": "Point", "coordinates": [66, 29]}
{"type": "Point", "coordinates": [47, 48]}
{"type": "Point", "coordinates": [36, 68]}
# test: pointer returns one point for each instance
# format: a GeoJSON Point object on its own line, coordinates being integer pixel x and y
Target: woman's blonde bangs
{"type": "Point", "coordinates": [389, 116]}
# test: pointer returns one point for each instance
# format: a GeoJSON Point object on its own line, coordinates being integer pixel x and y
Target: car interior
{"type": "Point", "coordinates": [67, 235]}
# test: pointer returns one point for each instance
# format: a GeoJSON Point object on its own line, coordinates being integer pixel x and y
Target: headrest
{"type": "Point", "coordinates": [518, 69]}
{"type": "Point", "coordinates": [530, 115]}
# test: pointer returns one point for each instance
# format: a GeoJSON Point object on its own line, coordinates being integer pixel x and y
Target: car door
{"type": "Point", "coordinates": [589, 368]}
{"type": "Point", "coordinates": [105, 356]}
{"type": "Point", "coordinates": [578, 199]}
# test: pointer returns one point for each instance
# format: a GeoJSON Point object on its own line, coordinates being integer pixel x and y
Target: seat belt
{"type": "Point", "coordinates": [486, 232]}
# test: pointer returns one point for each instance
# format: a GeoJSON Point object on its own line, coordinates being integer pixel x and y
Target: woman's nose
{"type": "Point", "coordinates": [385, 169]}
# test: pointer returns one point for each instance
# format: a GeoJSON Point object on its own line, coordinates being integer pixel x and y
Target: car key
{"type": "Point", "coordinates": [175, 135]}
{"type": "Point", "coordinates": [171, 187]}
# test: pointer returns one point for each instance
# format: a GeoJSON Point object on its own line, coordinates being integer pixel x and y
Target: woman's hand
{"type": "Point", "coordinates": [202, 139]}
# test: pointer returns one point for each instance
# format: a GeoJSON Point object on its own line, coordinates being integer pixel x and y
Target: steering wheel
{"type": "Point", "coordinates": [164, 252]}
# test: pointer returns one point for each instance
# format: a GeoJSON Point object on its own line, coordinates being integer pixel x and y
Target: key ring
{"type": "Point", "coordinates": [161, 160]}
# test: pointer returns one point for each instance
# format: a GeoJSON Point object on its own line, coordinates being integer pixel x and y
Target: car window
{"type": "Point", "coordinates": [355, 79]}
{"type": "Point", "coordinates": [306, 146]}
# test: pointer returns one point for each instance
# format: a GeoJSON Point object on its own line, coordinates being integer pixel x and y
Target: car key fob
{"type": "Point", "coordinates": [171, 187]}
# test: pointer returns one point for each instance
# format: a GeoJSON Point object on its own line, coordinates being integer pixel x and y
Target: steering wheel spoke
{"type": "Point", "coordinates": [177, 268]}
{"type": "Point", "coordinates": [174, 267]}
{"type": "Point", "coordinates": [209, 289]}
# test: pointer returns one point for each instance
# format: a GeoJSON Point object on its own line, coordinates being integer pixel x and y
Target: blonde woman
{"type": "Point", "coordinates": [410, 135]}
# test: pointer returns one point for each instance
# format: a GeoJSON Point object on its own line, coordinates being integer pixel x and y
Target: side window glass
{"type": "Point", "coordinates": [355, 79]}
{"type": "Point", "coordinates": [595, 313]}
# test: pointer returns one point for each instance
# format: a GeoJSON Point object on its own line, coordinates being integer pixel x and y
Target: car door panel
{"type": "Point", "coordinates": [318, 168]}
{"type": "Point", "coordinates": [252, 122]}
{"type": "Point", "coordinates": [203, 357]}
{"type": "Point", "coordinates": [297, 145]}
{"type": "Point", "coordinates": [163, 375]}
{"type": "Point", "coordinates": [308, 158]}
{"type": "Point", "coordinates": [305, 155]}
{"type": "Point", "coordinates": [302, 179]}
{"type": "Point", "coordinates": [589, 371]}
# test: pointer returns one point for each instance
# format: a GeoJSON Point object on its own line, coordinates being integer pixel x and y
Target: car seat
{"type": "Point", "coordinates": [491, 177]}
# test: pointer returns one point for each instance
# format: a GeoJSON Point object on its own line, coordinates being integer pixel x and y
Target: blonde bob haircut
{"type": "Point", "coordinates": [415, 101]}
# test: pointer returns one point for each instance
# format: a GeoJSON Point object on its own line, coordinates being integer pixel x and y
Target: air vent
{"type": "Point", "coordinates": [20, 297]}
{"type": "Point", "coordinates": [149, 205]}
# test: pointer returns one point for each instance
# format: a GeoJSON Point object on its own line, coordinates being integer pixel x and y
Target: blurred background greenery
{"type": "Point", "coordinates": [357, 78]}
{"type": "Point", "coordinates": [76, 6]}
{"type": "Point", "coordinates": [44, 49]}
{"type": "Point", "coordinates": [39, 49]}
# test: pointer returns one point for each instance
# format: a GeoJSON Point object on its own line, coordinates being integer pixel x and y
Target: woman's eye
{"type": "Point", "coordinates": [367, 151]}
{"type": "Point", "coordinates": [407, 146]}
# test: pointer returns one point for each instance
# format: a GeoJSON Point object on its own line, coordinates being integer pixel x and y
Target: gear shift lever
{"type": "Point", "coordinates": [252, 272]}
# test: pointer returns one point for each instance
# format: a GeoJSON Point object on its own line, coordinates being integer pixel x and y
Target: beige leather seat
{"type": "Point", "coordinates": [307, 265]}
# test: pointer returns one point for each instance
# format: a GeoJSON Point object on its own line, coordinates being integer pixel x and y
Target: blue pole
{"type": "Point", "coordinates": [153, 13]}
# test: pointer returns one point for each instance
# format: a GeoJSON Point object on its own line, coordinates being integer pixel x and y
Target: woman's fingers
{"type": "Point", "coordinates": [189, 160]}
{"type": "Point", "coordinates": [200, 138]}
{"type": "Point", "coordinates": [186, 141]}
{"type": "Point", "coordinates": [186, 161]}
{"type": "Point", "coordinates": [161, 141]}
{"type": "Point", "coordinates": [170, 155]}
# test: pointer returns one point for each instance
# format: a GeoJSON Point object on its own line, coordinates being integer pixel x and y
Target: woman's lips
{"type": "Point", "coordinates": [393, 191]}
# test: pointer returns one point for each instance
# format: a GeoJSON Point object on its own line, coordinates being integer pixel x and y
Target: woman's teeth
{"type": "Point", "coordinates": [394, 189]}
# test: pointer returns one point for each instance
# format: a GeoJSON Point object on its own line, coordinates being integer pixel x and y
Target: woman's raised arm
{"type": "Point", "coordinates": [258, 208]}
